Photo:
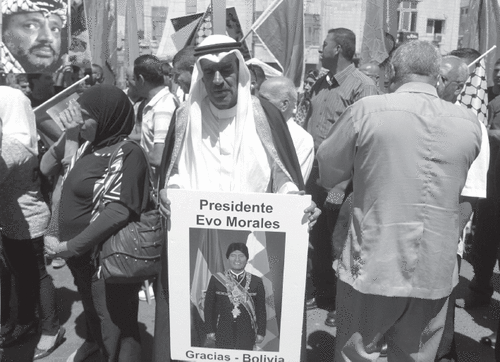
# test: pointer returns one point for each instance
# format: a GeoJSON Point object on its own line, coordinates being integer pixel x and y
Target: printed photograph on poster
{"type": "Point", "coordinates": [247, 265]}
{"type": "Point", "coordinates": [233, 273]}
{"type": "Point", "coordinates": [34, 35]}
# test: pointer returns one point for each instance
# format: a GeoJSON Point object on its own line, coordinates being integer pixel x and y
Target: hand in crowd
{"type": "Point", "coordinates": [71, 119]}
{"type": "Point", "coordinates": [165, 205]}
{"type": "Point", "coordinates": [56, 249]}
{"type": "Point", "coordinates": [50, 243]}
{"type": "Point", "coordinates": [312, 211]}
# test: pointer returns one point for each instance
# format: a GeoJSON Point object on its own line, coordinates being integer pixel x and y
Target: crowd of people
{"type": "Point", "coordinates": [395, 168]}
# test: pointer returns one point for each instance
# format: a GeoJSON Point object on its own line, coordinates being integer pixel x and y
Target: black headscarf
{"type": "Point", "coordinates": [112, 110]}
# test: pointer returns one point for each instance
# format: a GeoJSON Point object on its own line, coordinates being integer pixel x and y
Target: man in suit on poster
{"type": "Point", "coordinates": [235, 306]}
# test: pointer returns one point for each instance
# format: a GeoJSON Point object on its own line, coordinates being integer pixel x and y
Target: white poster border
{"type": "Point", "coordinates": [272, 213]}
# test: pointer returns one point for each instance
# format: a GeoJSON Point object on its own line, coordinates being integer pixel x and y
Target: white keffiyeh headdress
{"type": "Point", "coordinates": [47, 7]}
{"type": "Point", "coordinates": [247, 169]}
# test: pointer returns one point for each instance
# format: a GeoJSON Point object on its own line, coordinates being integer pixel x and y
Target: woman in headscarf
{"type": "Point", "coordinates": [23, 219]}
{"type": "Point", "coordinates": [106, 117]}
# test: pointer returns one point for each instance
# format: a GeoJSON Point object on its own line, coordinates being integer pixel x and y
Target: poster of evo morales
{"type": "Point", "coordinates": [237, 275]}
{"type": "Point", "coordinates": [34, 35]}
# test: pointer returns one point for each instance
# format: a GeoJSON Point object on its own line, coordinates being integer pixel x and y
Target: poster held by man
{"type": "Point", "coordinates": [34, 35]}
{"type": "Point", "coordinates": [238, 265]}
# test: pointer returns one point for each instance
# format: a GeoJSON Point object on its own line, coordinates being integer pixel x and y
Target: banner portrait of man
{"type": "Point", "coordinates": [34, 35]}
{"type": "Point", "coordinates": [231, 280]}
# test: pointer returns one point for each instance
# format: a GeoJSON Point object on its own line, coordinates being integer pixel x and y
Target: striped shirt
{"type": "Point", "coordinates": [332, 95]}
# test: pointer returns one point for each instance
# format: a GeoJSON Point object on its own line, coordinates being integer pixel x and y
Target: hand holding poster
{"type": "Point", "coordinates": [247, 266]}
{"type": "Point", "coordinates": [59, 97]}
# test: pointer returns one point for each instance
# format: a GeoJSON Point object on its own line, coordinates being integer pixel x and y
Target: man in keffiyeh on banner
{"type": "Point", "coordinates": [474, 94]}
{"type": "Point", "coordinates": [32, 35]}
{"type": "Point", "coordinates": [235, 304]}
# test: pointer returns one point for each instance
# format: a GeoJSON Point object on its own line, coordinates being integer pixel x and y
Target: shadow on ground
{"type": "Point", "coordinates": [65, 299]}
{"type": "Point", "coordinates": [486, 316]}
{"type": "Point", "coordinates": [320, 346]}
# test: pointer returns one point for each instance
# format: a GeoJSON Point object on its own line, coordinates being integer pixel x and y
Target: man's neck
{"type": "Point", "coordinates": [416, 78]}
{"type": "Point", "coordinates": [341, 64]}
{"type": "Point", "coordinates": [152, 92]}
{"type": "Point", "coordinates": [237, 274]}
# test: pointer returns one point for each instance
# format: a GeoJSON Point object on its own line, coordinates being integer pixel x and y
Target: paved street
{"type": "Point", "coordinates": [470, 326]}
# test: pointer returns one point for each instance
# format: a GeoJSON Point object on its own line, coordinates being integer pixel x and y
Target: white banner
{"type": "Point", "coordinates": [216, 316]}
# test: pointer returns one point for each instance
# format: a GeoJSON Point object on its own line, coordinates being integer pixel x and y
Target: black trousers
{"type": "Point", "coordinates": [111, 312]}
{"type": "Point", "coordinates": [321, 256]}
{"type": "Point", "coordinates": [486, 240]}
{"type": "Point", "coordinates": [34, 286]}
{"type": "Point", "coordinates": [485, 247]}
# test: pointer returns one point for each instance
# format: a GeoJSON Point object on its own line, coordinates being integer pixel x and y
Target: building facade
{"type": "Point", "coordinates": [438, 21]}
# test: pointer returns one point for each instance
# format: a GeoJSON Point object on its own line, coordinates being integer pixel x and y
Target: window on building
{"type": "Point", "coordinates": [464, 10]}
{"type": "Point", "coordinates": [435, 26]}
{"type": "Point", "coordinates": [407, 16]}
{"type": "Point", "coordinates": [191, 6]}
{"type": "Point", "coordinates": [158, 19]}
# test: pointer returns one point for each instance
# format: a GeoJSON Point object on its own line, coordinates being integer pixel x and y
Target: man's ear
{"type": "Point", "coordinates": [339, 49]}
{"type": "Point", "coordinates": [286, 104]}
{"type": "Point", "coordinates": [141, 79]}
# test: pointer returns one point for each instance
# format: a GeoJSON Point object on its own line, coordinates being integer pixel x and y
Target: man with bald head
{"type": "Point", "coordinates": [453, 74]}
{"type": "Point", "coordinates": [371, 70]}
{"type": "Point", "coordinates": [281, 92]}
{"type": "Point", "coordinates": [407, 154]}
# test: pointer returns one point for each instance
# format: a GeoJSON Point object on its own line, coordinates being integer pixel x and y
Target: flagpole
{"type": "Point", "coordinates": [253, 21]}
{"type": "Point", "coordinates": [219, 16]}
{"type": "Point", "coordinates": [265, 14]}
{"type": "Point", "coordinates": [482, 56]}
{"type": "Point", "coordinates": [68, 24]}
{"type": "Point", "coordinates": [246, 35]}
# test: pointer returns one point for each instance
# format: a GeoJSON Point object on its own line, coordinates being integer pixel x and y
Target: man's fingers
{"type": "Point", "coordinates": [315, 214]}
{"type": "Point", "coordinates": [63, 117]}
{"type": "Point", "coordinates": [165, 211]}
{"type": "Point", "coordinates": [75, 111]}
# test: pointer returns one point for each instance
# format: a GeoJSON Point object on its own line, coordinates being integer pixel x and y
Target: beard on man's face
{"type": "Point", "coordinates": [26, 60]}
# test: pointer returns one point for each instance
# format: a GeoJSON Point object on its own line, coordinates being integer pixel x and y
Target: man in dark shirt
{"type": "Point", "coordinates": [330, 96]}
